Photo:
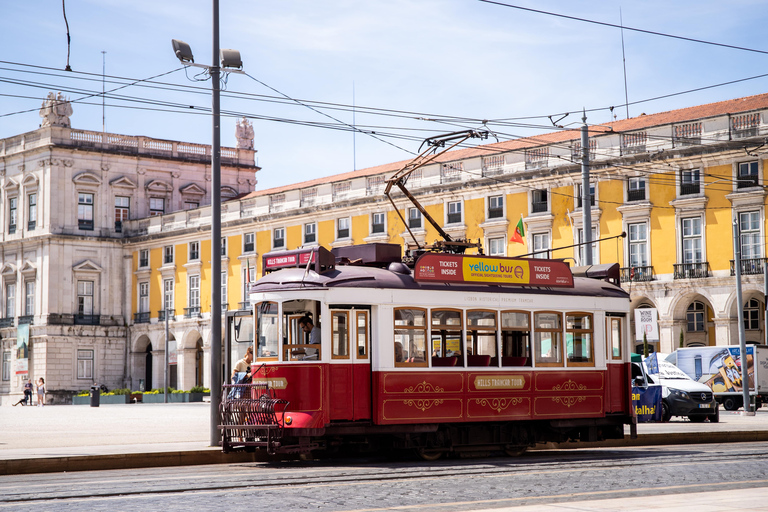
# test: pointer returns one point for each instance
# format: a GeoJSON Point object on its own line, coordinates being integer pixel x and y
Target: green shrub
{"type": "Point", "coordinates": [84, 392]}
{"type": "Point", "coordinates": [199, 389]}
{"type": "Point", "coordinates": [159, 391]}
{"type": "Point", "coordinates": [120, 391]}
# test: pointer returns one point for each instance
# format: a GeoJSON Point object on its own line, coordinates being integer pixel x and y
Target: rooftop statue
{"type": "Point", "coordinates": [244, 134]}
{"type": "Point", "coordinates": [56, 111]}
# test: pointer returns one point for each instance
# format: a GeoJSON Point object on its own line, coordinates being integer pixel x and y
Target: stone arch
{"type": "Point", "coordinates": [694, 316]}
{"type": "Point", "coordinates": [752, 316]}
{"type": "Point", "coordinates": [142, 363]}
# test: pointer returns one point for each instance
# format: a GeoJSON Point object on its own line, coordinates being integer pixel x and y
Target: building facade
{"type": "Point", "coordinates": [674, 182]}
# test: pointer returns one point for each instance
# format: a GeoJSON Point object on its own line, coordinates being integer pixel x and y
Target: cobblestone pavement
{"type": "Point", "coordinates": [704, 477]}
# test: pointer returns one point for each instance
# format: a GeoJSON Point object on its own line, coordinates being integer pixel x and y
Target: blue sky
{"type": "Point", "coordinates": [433, 59]}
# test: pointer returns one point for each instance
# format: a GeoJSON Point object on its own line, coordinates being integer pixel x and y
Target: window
{"type": "Point", "coordinates": [692, 252]}
{"type": "Point", "coordinates": [362, 334]}
{"type": "Point", "coordinates": [10, 300]}
{"type": "Point", "coordinates": [224, 300]}
{"type": "Point", "coordinates": [638, 245]}
{"type": "Point", "coordinates": [580, 203]}
{"type": "Point", "coordinates": [578, 339]}
{"type": "Point", "coordinates": [85, 364]}
{"type": "Point", "coordinates": [12, 214]}
{"type": "Point", "coordinates": [748, 175]}
{"type": "Point", "coordinates": [223, 246]}
{"type": "Point", "coordinates": [194, 292]}
{"type": "Point", "coordinates": [143, 297]}
{"type": "Point", "coordinates": [122, 211]}
{"type": "Point", "coordinates": [539, 201]}
{"type": "Point", "coordinates": [446, 337]}
{"type": "Point", "coordinates": [249, 276]}
{"type": "Point", "coordinates": [190, 205]}
{"type": "Point", "coordinates": [481, 338]}
{"type": "Point", "coordinates": [547, 339]}
{"type": "Point", "coordinates": [143, 258]}
{"type": "Point", "coordinates": [378, 223]}
{"type": "Point", "coordinates": [636, 189]}
{"type": "Point", "coordinates": [752, 312]}
{"type": "Point", "coordinates": [342, 228]}
{"type": "Point", "coordinates": [496, 207]}
{"type": "Point", "coordinates": [7, 365]}
{"type": "Point", "coordinates": [749, 226]}
{"type": "Point", "coordinates": [156, 206]}
{"type": "Point", "coordinates": [515, 338]}
{"type": "Point", "coordinates": [267, 323]}
{"type": "Point", "coordinates": [410, 343]}
{"type": "Point", "coordinates": [541, 245]}
{"type": "Point", "coordinates": [695, 317]}
{"type": "Point", "coordinates": [689, 182]}
{"type": "Point", "coordinates": [278, 238]}
{"type": "Point", "coordinates": [29, 298]}
{"type": "Point", "coordinates": [339, 335]}
{"type": "Point", "coordinates": [85, 211]}
{"type": "Point", "coordinates": [194, 251]}
{"type": "Point", "coordinates": [582, 248]}
{"type": "Point", "coordinates": [497, 246]}
{"type": "Point", "coordinates": [414, 218]}
{"type": "Point", "coordinates": [31, 211]}
{"type": "Point", "coordinates": [167, 254]}
{"type": "Point", "coordinates": [168, 294]}
{"type": "Point", "coordinates": [310, 233]}
{"type": "Point", "coordinates": [454, 212]}
{"type": "Point", "coordinates": [85, 298]}
{"type": "Point", "coordinates": [614, 337]}
{"type": "Point", "coordinates": [248, 242]}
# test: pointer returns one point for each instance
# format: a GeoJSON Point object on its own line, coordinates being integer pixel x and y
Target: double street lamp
{"type": "Point", "coordinates": [229, 62]}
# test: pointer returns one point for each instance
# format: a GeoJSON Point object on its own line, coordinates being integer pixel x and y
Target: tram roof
{"type": "Point", "coordinates": [400, 277]}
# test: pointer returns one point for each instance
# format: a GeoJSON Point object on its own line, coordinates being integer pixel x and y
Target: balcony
{"type": "Point", "coordinates": [87, 319]}
{"type": "Point", "coordinates": [31, 225]}
{"type": "Point", "coordinates": [692, 270]}
{"type": "Point", "coordinates": [161, 314]}
{"type": "Point", "coordinates": [747, 182]}
{"type": "Point", "coordinates": [579, 202]}
{"type": "Point", "coordinates": [118, 226]}
{"type": "Point", "coordinates": [244, 306]}
{"type": "Point", "coordinates": [141, 318]}
{"type": "Point", "coordinates": [750, 267]}
{"type": "Point", "coordinates": [687, 189]}
{"type": "Point", "coordinates": [85, 224]}
{"type": "Point", "coordinates": [193, 312]}
{"type": "Point", "coordinates": [637, 194]}
{"type": "Point", "coordinates": [26, 319]}
{"type": "Point", "coordinates": [538, 206]}
{"type": "Point", "coordinates": [6, 322]}
{"type": "Point", "coordinates": [637, 274]}
{"type": "Point", "coordinates": [11, 229]}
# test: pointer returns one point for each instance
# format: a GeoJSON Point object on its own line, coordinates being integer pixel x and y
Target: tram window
{"type": "Point", "coordinates": [515, 338]}
{"type": "Point", "coordinates": [267, 330]}
{"type": "Point", "coordinates": [578, 339]}
{"type": "Point", "coordinates": [410, 337]}
{"type": "Point", "coordinates": [614, 333]}
{"type": "Point", "coordinates": [547, 339]}
{"type": "Point", "coordinates": [297, 344]}
{"type": "Point", "coordinates": [339, 335]}
{"type": "Point", "coordinates": [446, 337]}
{"type": "Point", "coordinates": [362, 334]}
{"type": "Point", "coordinates": [481, 338]}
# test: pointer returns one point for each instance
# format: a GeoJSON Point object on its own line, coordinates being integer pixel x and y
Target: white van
{"type": "Point", "coordinates": [681, 395]}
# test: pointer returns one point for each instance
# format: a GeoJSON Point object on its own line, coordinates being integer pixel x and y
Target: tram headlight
{"type": "Point", "coordinates": [288, 420]}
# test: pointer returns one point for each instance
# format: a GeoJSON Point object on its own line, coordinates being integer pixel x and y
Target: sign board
{"type": "Point", "coordinates": [22, 349]}
{"type": "Point", "coordinates": [287, 260]}
{"type": "Point", "coordinates": [647, 403]}
{"type": "Point", "coordinates": [646, 323]}
{"type": "Point", "coordinates": [451, 268]}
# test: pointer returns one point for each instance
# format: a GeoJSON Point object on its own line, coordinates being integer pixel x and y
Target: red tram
{"type": "Point", "coordinates": [451, 353]}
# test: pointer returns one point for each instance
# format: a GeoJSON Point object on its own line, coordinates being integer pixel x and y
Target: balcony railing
{"type": "Point", "coordinates": [161, 314]}
{"type": "Point", "coordinates": [87, 319]}
{"type": "Point", "coordinates": [687, 189]}
{"type": "Point", "coordinates": [750, 267]}
{"type": "Point", "coordinates": [225, 306]}
{"type": "Point", "coordinates": [85, 224]}
{"type": "Point", "coordinates": [539, 206]}
{"type": "Point", "coordinates": [6, 322]}
{"type": "Point", "coordinates": [579, 202]}
{"type": "Point", "coordinates": [11, 229]}
{"type": "Point", "coordinates": [692, 270]}
{"type": "Point", "coordinates": [26, 319]}
{"type": "Point", "coordinates": [637, 194]}
{"type": "Point", "coordinates": [244, 306]}
{"type": "Point", "coordinates": [141, 318]}
{"type": "Point", "coordinates": [193, 312]}
{"type": "Point", "coordinates": [118, 226]}
{"type": "Point", "coordinates": [746, 182]}
{"type": "Point", "coordinates": [637, 274]}
{"type": "Point", "coordinates": [31, 225]}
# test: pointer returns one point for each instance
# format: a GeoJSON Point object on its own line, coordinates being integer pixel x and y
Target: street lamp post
{"type": "Point", "coordinates": [230, 61]}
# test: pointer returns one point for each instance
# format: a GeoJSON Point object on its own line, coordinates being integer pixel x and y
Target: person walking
{"type": "Point", "coordinates": [41, 392]}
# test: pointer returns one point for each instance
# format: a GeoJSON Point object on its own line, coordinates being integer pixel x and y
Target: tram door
{"type": "Point", "coordinates": [617, 383]}
{"type": "Point", "coordinates": [350, 369]}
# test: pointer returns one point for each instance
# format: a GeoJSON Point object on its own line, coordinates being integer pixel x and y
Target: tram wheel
{"type": "Point", "coordinates": [515, 451]}
{"type": "Point", "coordinates": [429, 455]}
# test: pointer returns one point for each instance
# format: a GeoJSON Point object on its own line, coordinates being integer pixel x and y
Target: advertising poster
{"type": "Point", "coordinates": [647, 403]}
{"type": "Point", "coordinates": [22, 350]}
{"type": "Point", "coordinates": [646, 323]}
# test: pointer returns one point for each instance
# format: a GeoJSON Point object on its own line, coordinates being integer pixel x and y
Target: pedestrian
{"type": "Point", "coordinates": [41, 392]}
{"type": "Point", "coordinates": [27, 400]}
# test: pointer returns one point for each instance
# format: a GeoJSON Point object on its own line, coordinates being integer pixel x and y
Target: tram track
{"type": "Point", "coordinates": [305, 475]}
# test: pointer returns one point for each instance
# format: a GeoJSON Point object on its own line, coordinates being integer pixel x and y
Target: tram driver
{"type": "Point", "coordinates": [309, 327]}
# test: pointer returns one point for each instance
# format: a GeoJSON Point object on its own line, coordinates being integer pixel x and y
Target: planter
{"type": "Point", "coordinates": [103, 399]}
{"type": "Point", "coordinates": [173, 398]}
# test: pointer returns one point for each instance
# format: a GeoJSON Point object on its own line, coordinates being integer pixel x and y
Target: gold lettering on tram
{"type": "Point", "coordinates": [278, 383]}
{"type": "Point", "coordinates": [500, 382]}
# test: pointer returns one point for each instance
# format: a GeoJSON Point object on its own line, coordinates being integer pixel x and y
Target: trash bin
{"type": "Point", "coordinates": [95, 395]}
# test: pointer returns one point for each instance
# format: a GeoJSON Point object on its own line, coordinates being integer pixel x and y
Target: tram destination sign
{"type": "Point", "coordinates": [451, 268]}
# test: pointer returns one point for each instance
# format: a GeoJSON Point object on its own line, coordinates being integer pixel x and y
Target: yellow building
{"type": "Point", "coordinates": [675, 182]}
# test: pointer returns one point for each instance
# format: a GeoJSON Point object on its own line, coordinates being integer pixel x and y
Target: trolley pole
{"type": "Point", "coordinates": [740, 315]}
{"type": "Point", "coordinates": [586, 198]}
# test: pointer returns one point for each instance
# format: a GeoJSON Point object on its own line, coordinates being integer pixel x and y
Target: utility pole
{"type": "Point", "coordinates": [167, 357]}
{"type": "Point", "coordinates": [740, 315]}
{"type": "Point", "coordinates": [586, 198]}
